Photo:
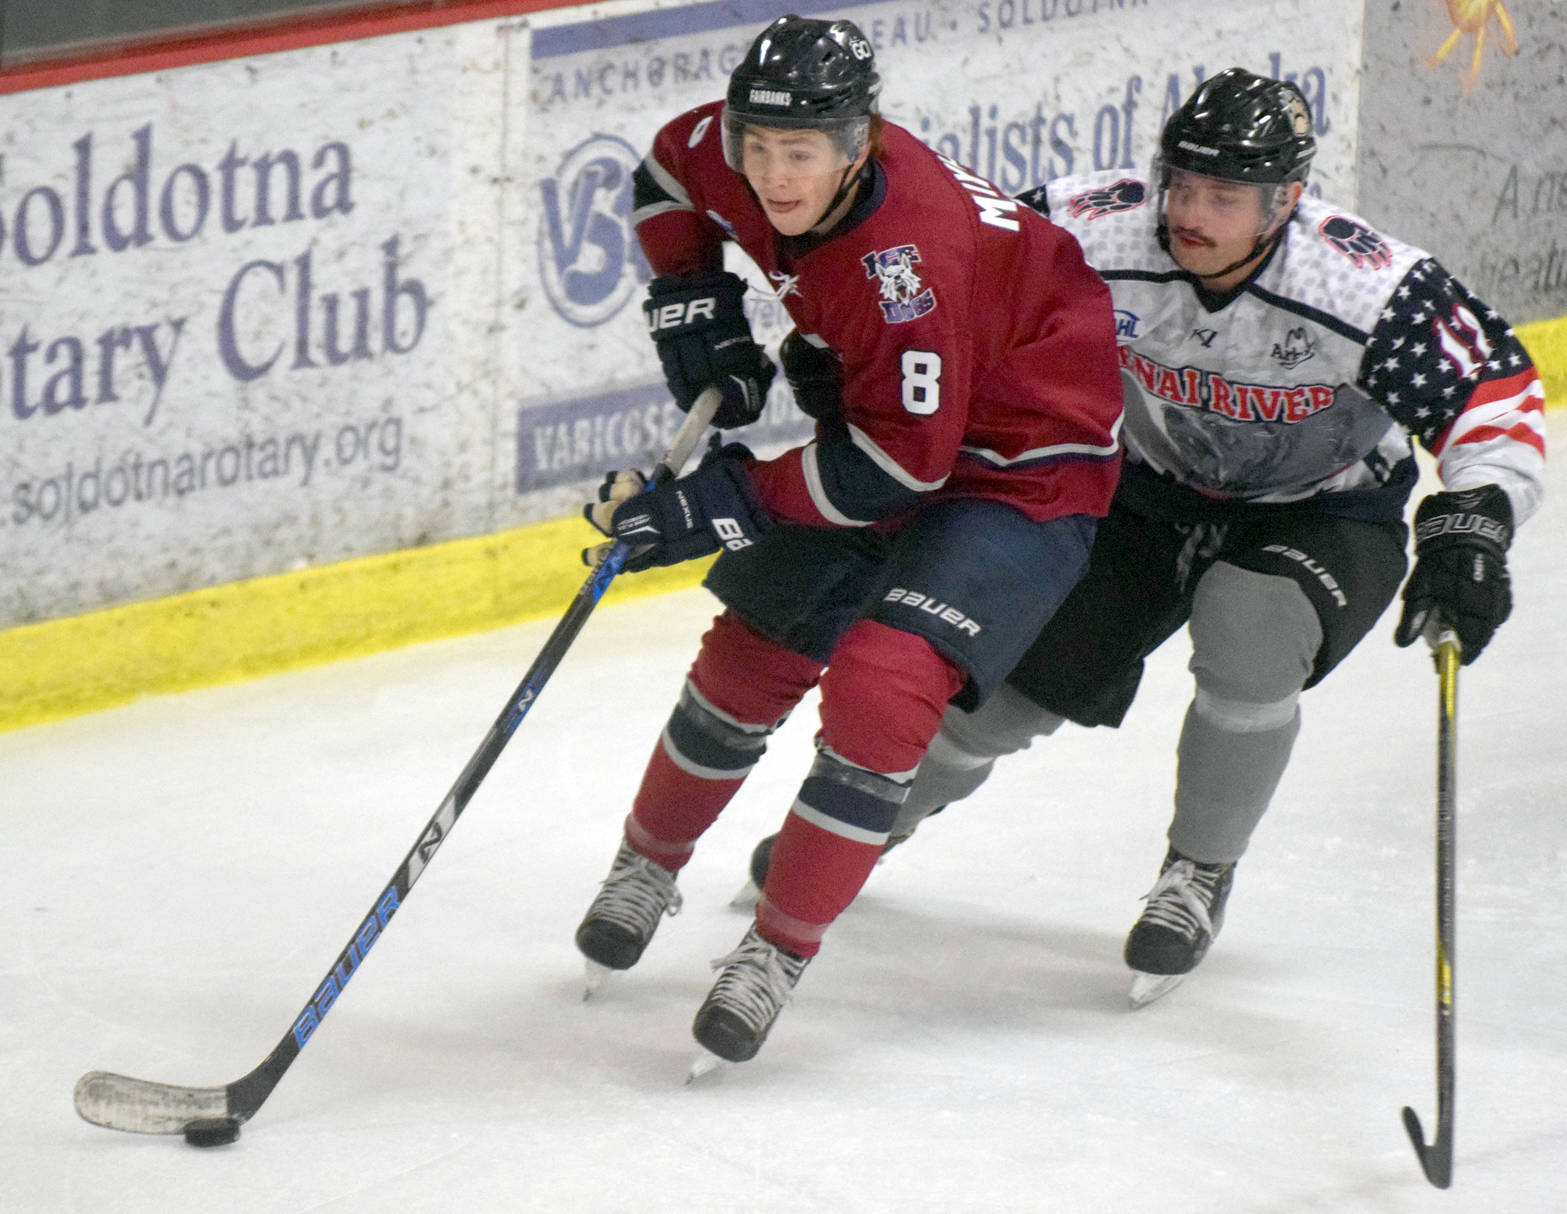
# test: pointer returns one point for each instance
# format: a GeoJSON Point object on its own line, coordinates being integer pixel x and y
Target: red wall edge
{"type": "Point", "coordinates": [158, 53]}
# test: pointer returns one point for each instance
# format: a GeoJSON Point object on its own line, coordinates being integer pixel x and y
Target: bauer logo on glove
{"type": "Point", "coordinates": [704, 341]}
{"type": "Point", "coordinates": [1460, 577]}
{"type": "Point", "coordinates": [715, 507]}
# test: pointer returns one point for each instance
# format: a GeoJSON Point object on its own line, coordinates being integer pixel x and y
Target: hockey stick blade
{"type": "Point", "coordinates": [1436, 1160]}
{"type": "Point", "coordinates": [142, 1106]}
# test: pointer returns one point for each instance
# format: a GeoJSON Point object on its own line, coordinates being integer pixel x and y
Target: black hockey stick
{"type": "Point", "coordinates": [1436, 1159]}
{"type": "Point", "coordinates": [142, 1106]}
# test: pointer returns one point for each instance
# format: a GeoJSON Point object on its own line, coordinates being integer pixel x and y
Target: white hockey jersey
{"type": "Point", "coordinates": [1307, 382]}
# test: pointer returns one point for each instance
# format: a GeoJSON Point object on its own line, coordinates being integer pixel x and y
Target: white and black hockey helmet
{"type": "Point", "coordinates": [1239, 126]}
{"type": "Point", "coordinates": [804, 74]}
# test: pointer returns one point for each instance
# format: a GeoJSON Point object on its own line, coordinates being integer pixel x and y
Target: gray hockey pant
{"type": "Point", "coordinates": [1254, 639]}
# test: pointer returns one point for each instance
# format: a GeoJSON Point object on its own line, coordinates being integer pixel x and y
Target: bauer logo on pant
{"type": "Point", "coordinates": [935, 607]}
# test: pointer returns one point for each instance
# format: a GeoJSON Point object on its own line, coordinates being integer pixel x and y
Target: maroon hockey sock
{"type": "Point", "coordinates": [882, 700]}
{"type": "Point", "coordinates": [814, 874]}
{"type": "Point", "coordinates": [672, 809]}
{"type": "Point", "coordinates": [740, 686]}
{"type": "Point", "coordinates": [883, 697]}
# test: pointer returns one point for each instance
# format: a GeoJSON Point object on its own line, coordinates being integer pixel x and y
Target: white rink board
{"type": "Point", "coordinates": [178, 411]}
{"type": "Point", "coordinates": [178, 408]}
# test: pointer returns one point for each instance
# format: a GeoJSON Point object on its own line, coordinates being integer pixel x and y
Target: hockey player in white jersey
{"type": "Point", "coordinates": [1278, 355]}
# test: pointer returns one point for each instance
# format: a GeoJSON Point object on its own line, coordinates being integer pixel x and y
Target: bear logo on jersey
{"type": "Point", "coordinates": [1124, 195]}
{"type": "Point", "coordinates": [1363, 247]}
{"type": "Point", "coordinates": [903, 296]}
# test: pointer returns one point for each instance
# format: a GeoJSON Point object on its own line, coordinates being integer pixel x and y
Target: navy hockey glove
{"type": "Point", "coordinates": [1460, 576]}
{"type": "Point", "coordinates": [704, 341]}
{"type": "Point", "coordinates": [815, 374]}
{"type": "Point", "coordinates": [715, 507]}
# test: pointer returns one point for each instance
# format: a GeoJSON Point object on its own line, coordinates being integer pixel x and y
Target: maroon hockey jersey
{"type": "Point", "coordinates": [978, 348]}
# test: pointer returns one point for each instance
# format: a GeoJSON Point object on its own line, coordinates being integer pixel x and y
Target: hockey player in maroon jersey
{"type": "Point", "coordinates": [1279, 354]}
{"type": "Point", "coordinates": [959, 357]}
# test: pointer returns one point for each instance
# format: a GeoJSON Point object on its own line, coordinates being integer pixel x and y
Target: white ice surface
{"type": "Point", "coordinates": [179, 874]}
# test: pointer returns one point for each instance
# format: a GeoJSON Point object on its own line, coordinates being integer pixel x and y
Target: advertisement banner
{"type": "Point", "coordinates": [233, 329]}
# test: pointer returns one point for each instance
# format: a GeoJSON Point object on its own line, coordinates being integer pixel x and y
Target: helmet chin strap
{"type": "Point", "coordinates": [1265, 241]}
{"type": "Point", "coordinates": [846, 186]}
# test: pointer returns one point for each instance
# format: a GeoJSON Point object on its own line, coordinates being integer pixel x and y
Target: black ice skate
{"type": "Point", "coordinates": [633, 898]}
{"type": "Point", "coordinates": [754, 982]}
{"type": "Point", "coordinates": [1184, 912]}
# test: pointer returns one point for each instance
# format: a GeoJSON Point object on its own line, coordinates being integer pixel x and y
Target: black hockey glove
{"type": "Point", "coordinates": [704, 340]}
{"type": "Point", "coordinates": [715, 507]}
{"type": "Point", "coordinates": [815, 374]}
{"type": "Point", "coordinates": [1460, 576]}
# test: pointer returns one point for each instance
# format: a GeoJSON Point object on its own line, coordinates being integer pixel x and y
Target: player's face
{"type": "Point", "coordinates": [1213, 223]}
{"type": "Point", "coordinates": [795, 175]}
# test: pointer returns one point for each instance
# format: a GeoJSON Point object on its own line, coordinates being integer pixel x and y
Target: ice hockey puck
{"type": "Point", "coordinates": [215, 1132]}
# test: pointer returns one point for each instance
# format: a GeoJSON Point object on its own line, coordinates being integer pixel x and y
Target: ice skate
{"type": "Point", "coordinates": [620, 922]}
{"type": "Point", "coordinates": [1184, 912]}
{"type": "Point", "coordinates": [754, 982]}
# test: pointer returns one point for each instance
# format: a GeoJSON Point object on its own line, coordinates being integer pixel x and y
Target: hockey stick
{"type": "Point", "coordinates": [142, 1106]}
{"type": "Point", "coordinates": [1436, 1159]}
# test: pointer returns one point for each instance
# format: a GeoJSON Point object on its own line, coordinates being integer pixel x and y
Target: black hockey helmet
{"type": "Point", "coordinates": [804, 74]}
{"type": "Point", "coordinates": [1239, 126]}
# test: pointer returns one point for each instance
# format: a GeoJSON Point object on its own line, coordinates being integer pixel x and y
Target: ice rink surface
{"type": "Point", "coordinates": [180, 873]}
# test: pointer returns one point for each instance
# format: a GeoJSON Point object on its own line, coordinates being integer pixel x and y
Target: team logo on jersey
{"type": "Point", "coordinates": [1199, 389]}
{"type": "Point", "coordinates": [588, 256]}
{"type": "Point", "coordinates": [1295, 349]}
{"type": "Point", "coordinates": [903, 296]}
{"type": "Point", "coordinates": [1365, 249]}
{"type": "Point", "coordinates": [1124, 195]}
{"type": "Point", "coordinates": [1126, 324]}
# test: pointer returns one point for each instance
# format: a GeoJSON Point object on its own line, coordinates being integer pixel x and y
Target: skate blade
{"type": "Point", "coordinates": [747, 897]}
{"type": "Point", "coordinates": [706, 1063]}
{"type": "Point", "coordinates": [1148, 987]}
{"type": "Point", "coordinates": [593, 978]}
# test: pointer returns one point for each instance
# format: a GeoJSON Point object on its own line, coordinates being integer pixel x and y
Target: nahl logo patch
{"type": "Point", "coordinates": [903, 296]}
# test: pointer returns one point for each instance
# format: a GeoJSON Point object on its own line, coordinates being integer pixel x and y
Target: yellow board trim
{"type": "Point", "coordinates": [1546, 341]}
{"type": "Point", "coordinates": [241, 630]}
